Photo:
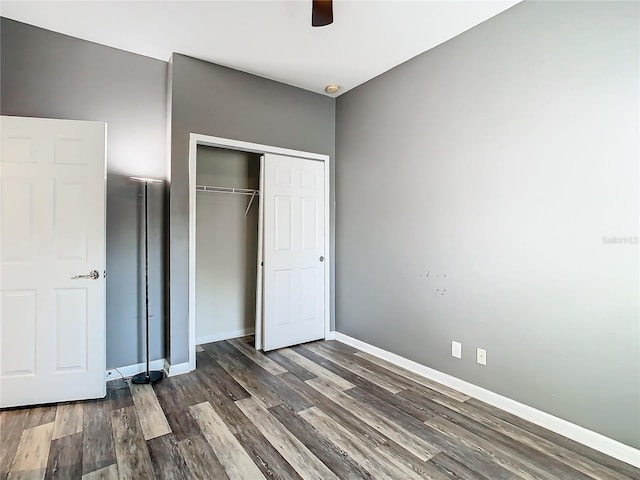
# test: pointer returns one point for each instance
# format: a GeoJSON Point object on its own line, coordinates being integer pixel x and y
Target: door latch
{"type": "Point", "coordinates": [92, 275]}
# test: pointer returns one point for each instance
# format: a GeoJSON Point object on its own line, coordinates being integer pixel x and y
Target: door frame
{"type": "Point", "coordinates": [196, 139]}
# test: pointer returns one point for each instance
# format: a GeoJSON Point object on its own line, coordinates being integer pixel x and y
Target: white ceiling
{"type": "Point", "coordinates": [270, 38]}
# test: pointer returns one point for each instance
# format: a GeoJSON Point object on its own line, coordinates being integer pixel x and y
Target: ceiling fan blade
{"type": "Point", "coordinates": [322, 13]}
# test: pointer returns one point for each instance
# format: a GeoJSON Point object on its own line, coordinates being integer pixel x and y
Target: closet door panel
{"type": "Point", "coordinates": [283, 292]}
{"type": "Point", "coordinates": [282, 223]}
{"type": "Point", "coordinates": [293, 196]}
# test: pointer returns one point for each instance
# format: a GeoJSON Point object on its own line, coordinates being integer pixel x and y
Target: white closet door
{"type": "Point", "coordinates": [293, 196]}
{"type": "Point", "coordinates": [52, 217]}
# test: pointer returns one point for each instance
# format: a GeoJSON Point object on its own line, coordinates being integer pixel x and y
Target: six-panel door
{"type": "Point", "coordinates": [293, 251]}
{"type": "Point", "coordinates": [52, 193]}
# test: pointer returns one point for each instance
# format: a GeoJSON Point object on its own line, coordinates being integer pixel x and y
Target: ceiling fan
{"type": "Point", "coordinates": [322, 13]}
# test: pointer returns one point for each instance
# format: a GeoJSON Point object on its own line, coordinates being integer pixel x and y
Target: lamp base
{"type": "Point", "coordinates": [142, 378]}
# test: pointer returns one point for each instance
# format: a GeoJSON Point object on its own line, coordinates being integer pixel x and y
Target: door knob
{"type": "Point", "coordinates": [92, 275]}
{"type": "Point", "coordinates": [321, 258]}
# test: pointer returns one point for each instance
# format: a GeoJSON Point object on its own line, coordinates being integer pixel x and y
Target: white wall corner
{"type": "Point", "coordinates": [597, 441]}
{"type": "Point", "coordinates": [177, 369]}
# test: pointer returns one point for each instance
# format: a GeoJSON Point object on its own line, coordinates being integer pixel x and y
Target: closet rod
{"type": "Point", "coordinates": [237, 191]}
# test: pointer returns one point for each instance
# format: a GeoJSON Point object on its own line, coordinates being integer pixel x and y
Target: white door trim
{"type": "Point", "coordinates": [196, 139]}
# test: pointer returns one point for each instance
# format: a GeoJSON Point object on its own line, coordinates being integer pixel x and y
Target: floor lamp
{"type": "Point", "coordinates": [146, 376]}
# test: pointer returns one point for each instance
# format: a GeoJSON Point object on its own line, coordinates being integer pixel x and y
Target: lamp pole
{"type": "Point", "coordinates": [146, 377]}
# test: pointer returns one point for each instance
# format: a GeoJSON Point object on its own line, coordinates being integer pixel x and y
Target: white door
{"type": "Point", "coordinates": [52, 194]}
{"type": "Point", "coordinates": [293, 196]}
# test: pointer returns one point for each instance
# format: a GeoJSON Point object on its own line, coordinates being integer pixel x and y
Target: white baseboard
{"type": "Point", "coordinates": [224, 336]}
{"type": "Point", "coordinates": [592, 439]}
{"type": "Point", "coordinates": [131, 370]}
{"type": "Point", "coordinates": [177, 369]}
{"type": "Point", "coordinates": [331, 335]}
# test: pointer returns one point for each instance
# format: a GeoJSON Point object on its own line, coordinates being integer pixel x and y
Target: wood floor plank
{"type": "Point", "coordinates": [212, 371]}
{"type": "Point", "coordinates": [97, 444]}
{"type": "Point", "coordinates": [176, 408]}
{"type": "Point", "coordinates": [346, 418]}
{"type": "Point", "coordinates": [521, 445]}
{"type": "Point", "coordinates": [415, 377]}
{"type": "Point", "coordinates": [288, 395]}
{"type": "Point", "coordinates": [131, 450]}
{"type": "Point", "coordinates": [317, 370]}
{"type": "Point", "coordinates": [438, 441]}
{"type": "Point", "coordinates": [118, 394]}
{"type": "Point", "coordinates": [400, 380]}
{"type": "Point", "coordinates": [340, 371]}
{"type": "Point", "coordinates": [262, 360]}
{"type": "Point", "coordinates": [388, 428]}
{"type": "Point", "coordinates": [40, 415]}
{"type": "Point", "coordinates": [212, 390]}
{"type": "Point", "coordinates": [292, 449]}
{"type": "Point", "coordinates": [396, 402]}
{"type": "Point", "coordinates": [201, 460]}
{"type": "Point", "coordinates": [291, 367]}
{"type": "Point", "coordinates": [245, 377]}
{"type": "Point", "coordinates": [65, 457]}
{"type": "Point", "coordinates": [371, 437]}
{"type": "Point", "coordinates": [554, 441]}
{"type": "Point", "coordinates": [385, 381]}
{"type": "Point", "coordinates": [30, 460]}
{"type": "Point", "coordinates": [199, 349]}
{"type": "Point", "coordinates": [105, 473]}
{"type": "Point", "coordinates": [250, 383]}
{"type": "Point", "coordinates": [168, 463]}
{"type": "Point", "coordinates": [237, 464]}
{"type": "Point", "coordinates": [504, 456]}
{"type": "Point", "coordinates": [451, 468]}
{"type": "Point", "coordinates": [348, 442]}
{"type": "Point", "coordinates": [190, 391]}
{"type": "Point", "coordinates": [529, 440]}
{"type": "Point", "coordinates": [263, 454]}
{"type": "Point", "coordinates": [69, 420]}
{"type": "Point", "coordinates": [535, 457]}
{"type": "Point", "coordinates": [271, 382]}
{"type": "Point", "coordinates": [152, 420]}
{"type": "Point", "coordinates": [341, 347]}
{"type": "Point", "coordinates": [474, 458]}
{"type": "Point", "coordinates": [11, 427]}
{"type": "Point", "coordinates": [425, 401]}
{"type": "Point", "coordinates": [408, 465]}
{"type": "Point", "coordinates": [332, 456]}
{"type": "Point", "coordinates": [397, 416]}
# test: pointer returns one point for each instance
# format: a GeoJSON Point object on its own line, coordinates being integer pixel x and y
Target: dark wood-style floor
{"type": "Point", "coordinates": [318, 411]}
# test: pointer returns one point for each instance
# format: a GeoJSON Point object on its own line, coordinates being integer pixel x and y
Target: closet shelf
{"type": "Point", "coordinates": [238, 191]}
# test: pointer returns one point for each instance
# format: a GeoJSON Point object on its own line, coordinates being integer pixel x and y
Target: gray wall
{"type": "Point", "coordinates": [226, 245]}
{"type": "Point", "coordinates": [219, 101]}
{"type": "Point", "coordinates": [45, 74]}
{"type": "Point", "coordinates": [492, 166]}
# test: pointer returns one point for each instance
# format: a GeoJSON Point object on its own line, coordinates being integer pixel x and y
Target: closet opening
{"type": "Point", "coordinates": [259, 244]}
{"type": "Point", "coordinates": [226, 269]}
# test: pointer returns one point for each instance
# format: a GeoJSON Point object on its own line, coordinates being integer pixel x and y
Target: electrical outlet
{"type": "Point", "coordinates": [456, 349]}
{"type": "Point", "coordinates": [481, 356]}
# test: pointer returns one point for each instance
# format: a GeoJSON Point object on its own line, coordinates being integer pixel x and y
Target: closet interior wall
{"type": "Point", "coordinates": [226, 245]}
